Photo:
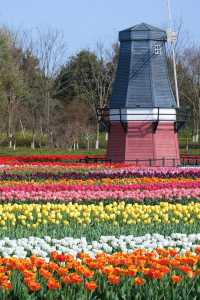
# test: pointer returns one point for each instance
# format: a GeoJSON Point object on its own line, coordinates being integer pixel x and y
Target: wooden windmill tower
{"type": "Point", "coordinates": [142, 112]}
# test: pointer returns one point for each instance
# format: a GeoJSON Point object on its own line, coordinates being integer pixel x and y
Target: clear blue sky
{"type": "Point", "coordinates": [84, 22]}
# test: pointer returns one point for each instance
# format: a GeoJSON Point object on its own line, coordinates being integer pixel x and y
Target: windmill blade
{"type": "Point", "coordinates": [171, 37]}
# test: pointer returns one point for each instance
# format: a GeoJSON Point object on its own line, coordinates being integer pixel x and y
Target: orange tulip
{"type": "Point", "coordinates": [131, 271]}
{"type": "Point", "coordinates": [176, 278]}
{"type": "Point", "coordinates": [29, 274]}
{"type": "Point", "coordinates": [185, 269]}
{"type": "Point", "coordinates": [54, 255]}
{"type": "Point", "coordinates": [139, 281]}
{"type": "Point", "coordinates": [173, 252]}
{"type": "Point", "coordinates": [155, 274]}
{"type": "Point", "coordinates": [62, 271]}
{"type": "Point", "coordinates": [53, 266]}
{"type": "Point", "coordinates": [90, 285]}
{"type": "Point", "coordinates": [34, 286]}
{"type": "Point", "coordinates": [197, 250]}
{"type": "Point", "coordinates": [45, 274]}
{"type": "Point", "coordinates": [75, 278]}
{"type": "Point", "coordinates": [53, 284]}
{"type": "Point", "coordinates": [5, 284]}
{"type": "Point", "coordinates": [113, 279]}
{"type": "Point", "coordinates": [108, 270]}
{"type": "Point", "coordinates": [190, 274]}
{"type": "Point", "coordinates": [65, 279]}
{"type": "Point", "coordinates": [38, 262]}
{"type": "Point", "coordinates": [87, 273]}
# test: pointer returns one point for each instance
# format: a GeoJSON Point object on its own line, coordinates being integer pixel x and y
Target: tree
{"type": "Point", "coordinates": [47, 50]}
{"type": "Point", "coordinates": [50, 50]}
{"type": "Point", "coordinates": [89, 76]}
{"type": "Point", "coordinates": [12, 87]}
{"type": "Point", "coordinates": [34, 105]}
{"type": "Point", "coordinates": [190, 85]}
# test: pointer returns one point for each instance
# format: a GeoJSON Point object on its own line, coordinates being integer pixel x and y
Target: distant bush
{"type": "Point", "coordinates": [25, 140]}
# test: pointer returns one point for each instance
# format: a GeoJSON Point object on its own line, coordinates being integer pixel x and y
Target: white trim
{"type": "Point", "coordinates": [143, 114]}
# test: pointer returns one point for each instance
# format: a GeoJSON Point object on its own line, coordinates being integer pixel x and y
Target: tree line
{"type": "Point", "coordinates": [49, 99]}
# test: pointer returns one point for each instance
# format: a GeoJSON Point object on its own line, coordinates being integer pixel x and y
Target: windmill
{"type": "Point", "coordinates": [143, 114]}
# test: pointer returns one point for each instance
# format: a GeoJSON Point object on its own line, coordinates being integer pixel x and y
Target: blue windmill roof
{"type": "Point", "coordinates": [142, 78]}
{"type": "Point", "coordinates": [142, 31]}
{"type": "Point", "coordinates": [144, 27]}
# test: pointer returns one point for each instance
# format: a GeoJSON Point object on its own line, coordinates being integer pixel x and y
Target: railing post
{"type": "Point", "coordinates": [150, 162]}
{"type": "Point", "coordinates": [163, 162]}
{"type": "Point", "coordinates": [174, 162]}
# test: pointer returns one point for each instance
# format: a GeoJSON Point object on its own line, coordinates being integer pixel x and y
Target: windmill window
{"type": "Point", "coordinates": [157, 49]}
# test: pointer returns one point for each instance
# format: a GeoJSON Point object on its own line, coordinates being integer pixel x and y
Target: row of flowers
{"type": "Point", "coordinates": [47, 157]}
{"type": "Point", "coordinates": [76, 166]}
{"type": "Point", "coordinates": [62, 157]}
{"type": "Point", "coordinates": [105, 276]}
{"type": "Point", "coordinates": [54, 195]}
{"type": "Point", "coordinates": [33, 215]}
{"type": "Point", "coordinates": [58, 187]}
{"type": "Point", "coordinates": [60, 164]}
{"type": "Point", "coordinates": [103, 173]}
{"type": "Point", "coordinates": [104, 181]}
{"type": "Point", "coordinates": [42, 247]}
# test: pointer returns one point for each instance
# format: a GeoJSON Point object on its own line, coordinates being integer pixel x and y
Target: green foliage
{"type": "Point", "coordinates": [11, 77]}
{"type": "Point", "coordinates": [95, 230]}
{"type": "Point", "coordinates": [23, 140]}
{"type": "Point", "coordinates": [28, 151]}
{"type": "Point", "coordinates": [70, 81]}
{"type": "Point", "coordinates": [162, 289]}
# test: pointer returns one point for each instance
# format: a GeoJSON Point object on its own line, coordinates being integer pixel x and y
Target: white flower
{"type": "Point", "coordinates": [43, 246]}
{"type": "Point", "coordinates": [47, 239]}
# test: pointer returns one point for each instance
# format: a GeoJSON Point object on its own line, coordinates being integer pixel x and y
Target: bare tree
{"type": "Point", "coordinates": [98, 88]}
{"type": "Point", "coordinates": [191, 85]}
{"type": "Point", "coordinates": [50, 50]}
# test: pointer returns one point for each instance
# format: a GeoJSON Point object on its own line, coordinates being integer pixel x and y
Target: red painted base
{"type": "Point", "coordinates": [140, 144]}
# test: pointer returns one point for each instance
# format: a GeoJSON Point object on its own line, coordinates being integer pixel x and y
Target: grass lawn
{"type": "Point", "coordinates": [191, 151]}
{"type": "Point", "coordinates": [29, 151]}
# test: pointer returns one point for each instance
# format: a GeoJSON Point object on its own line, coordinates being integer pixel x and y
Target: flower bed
{"type": "Point", "coordinates": [46, 158]}
{"type": "Point", "coordinates": [63, 190]}
{"type": "Point", "coordinates": [161, 273]}
{"type": "Point", "coordinates": [25, 247]}
{"type": "Point", "coordinates": [92, 171]}
{"type": "Point", "coordinates": [35, 215]}
{"type": "Point", "coordinates": [106, 219]}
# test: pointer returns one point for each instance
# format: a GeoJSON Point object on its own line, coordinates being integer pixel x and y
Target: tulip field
{"type": "Point", "coordinates": [75, 230]}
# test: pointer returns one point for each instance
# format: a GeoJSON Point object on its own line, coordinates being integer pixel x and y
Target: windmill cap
{"type": "Point", "coordinates": [143, 31]}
